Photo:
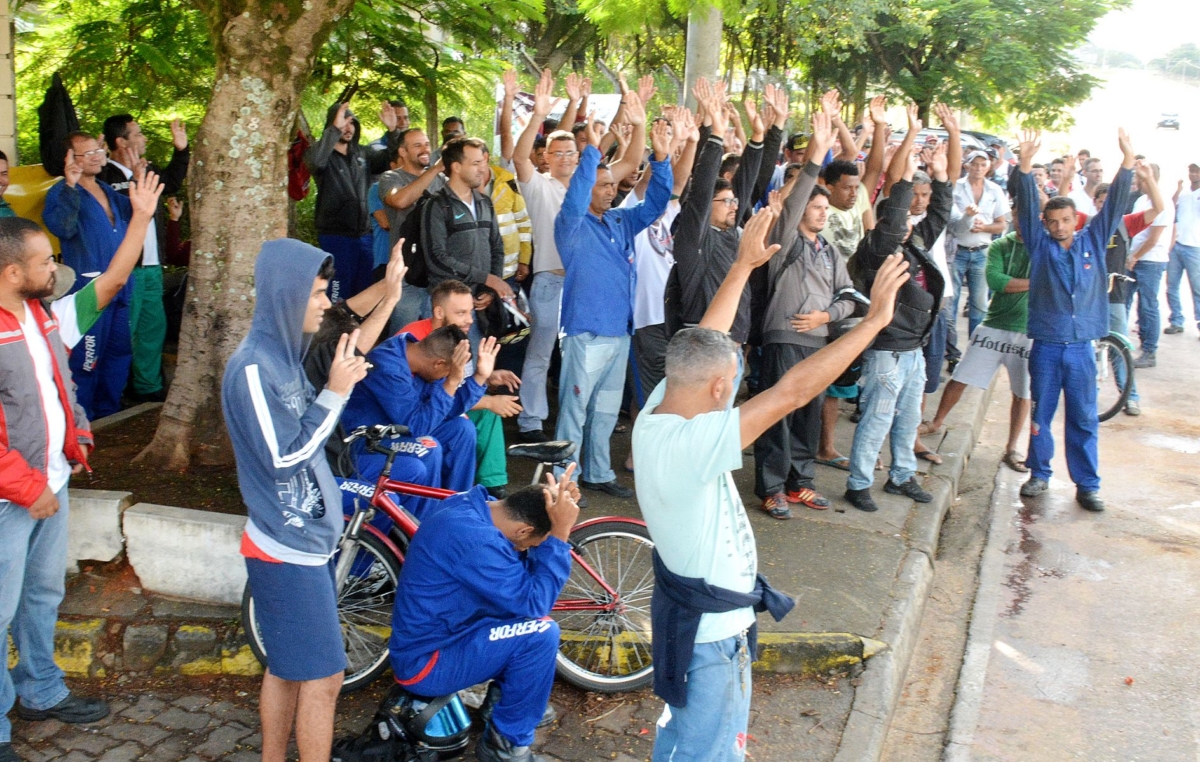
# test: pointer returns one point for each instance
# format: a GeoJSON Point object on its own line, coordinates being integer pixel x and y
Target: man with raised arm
{"type": "Point", "coordinates": [1068, 310]}
{"type": "Point", "coordinates": [686, 444]}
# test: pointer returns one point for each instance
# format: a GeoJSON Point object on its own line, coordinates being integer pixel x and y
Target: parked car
{"type": "Point", "coordinates": [1169, 121]}
{"type": "Point", "coordinates": [929, 134]}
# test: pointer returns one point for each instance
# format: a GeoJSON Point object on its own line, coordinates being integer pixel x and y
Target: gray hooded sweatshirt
{"type": "Point", "coordinates": [277, 422]}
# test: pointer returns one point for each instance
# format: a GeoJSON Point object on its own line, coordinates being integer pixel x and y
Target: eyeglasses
{"type": "Point", "coordinates": [93, 152]}
{"type": "Point", "coordinates": [563, 154]}
{"type": "Point", "coordinates": [731, 201]}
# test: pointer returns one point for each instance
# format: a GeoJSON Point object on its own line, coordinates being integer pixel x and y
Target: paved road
{"type": "Point", "coordinates": [1088, 622]}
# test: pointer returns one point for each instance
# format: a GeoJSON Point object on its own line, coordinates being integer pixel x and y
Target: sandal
{"type": "Point", "coordinates": [841, 463]}
{"type": "Point", "coordinates": [1015, 462]}
{"type": "Point", "coordinates": [930, 456]}
{"type": "Point", "coordinates": [927, 427]}
{"type": "Point", "coordinates": [809, 497]}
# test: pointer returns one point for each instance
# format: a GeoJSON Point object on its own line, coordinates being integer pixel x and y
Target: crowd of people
{"type": "Point", "coordinates": [664, 264]}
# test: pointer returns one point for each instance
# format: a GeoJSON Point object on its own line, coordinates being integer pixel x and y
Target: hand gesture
{"type": "Point", "coordinates": [914, 120]}
{"type": "Point", "coordinates": [888, 280]}
{"type": "Point", "coordinates": [778, 98]}
{"type": "Point", "coordinates": [143, 197]}
{"type": "Point", "coordinates": [543, 95]}
{"type": "Point", "coordinates": [946, 116]}
{"type": "Point", "coordinates": [1126, 147]}
{"type": "Point", "coordinates": [562, 503]}
{"type": "Point", "coordinates": [804, 322]}
{"type": "Point", "coordinates": [485, 363]}
{"type": "Point", "coordinates": [775, 202]}
{"type": "Point", "coordinates": [878, 109]}
{"type": "Point", "coordinates": [179, 136]}
{"type": "Point", "coordinates": [1030, 142]}
{"type": "Point", "coordinates": [971, 210]}
{"type": "Point", "coordinates": [574, 87]}
{"type": "Point", "coordinates": [348, 367]}
{"type": "Point", "coordinates": [510, 84]}
{"type": "Point", "coordinates": [45, 506]}
{"type": "Point", "coordinates": [753, 249]}
{"type": "Point", "coordinates": [715, 107]}
{"type": "Point", "coordinates": [646, 89]}
{"type": "Point", "coordinates": [1068, 175]}
{"type": "Point", "coordinates": [503, 405]}
{"type": "Point", "coordinates": [72, 170]}
{"type": "Point", "coordinates": [938, 162]}
{"type": "Point", "coordinates": [1145, 175]}
{"type": "Point", "coordinates": [822, 136]}
{"type": "Point", "coordinates": [635, 111]}
{"type": "Point", "coordinates": [756, 119]}
{"type": "Point", "coordinates": [660, 140]}
{"type": "Point", "coordinates": [831, 103]}
{"type": "Point", "coordinates": [387, 115]}
{"type": "Point", "coordinates": [595, 130]}
{"type": "Point", "coordinates": [505, 378]}
{"type": "Point", "coordinates": [458, 365]}
{"type": "Point", "coordinates": [585, 87]}
{"type": "Point", "coordinates": [174, 209]}
{"type": "Point", "coordinates": [393, 276]}
{"type": "Point", "coordinates": [340, 120]}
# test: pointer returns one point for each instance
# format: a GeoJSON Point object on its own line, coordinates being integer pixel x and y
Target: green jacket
{"type": "Point", "coordinates": [1007, 259]}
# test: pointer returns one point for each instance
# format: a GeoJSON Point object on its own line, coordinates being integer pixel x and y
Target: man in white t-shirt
{"type": "Point", "coordinates": [1185, 253]}
{"type": "Point", "coordinates": [1084, 195]}
{"type": "Point", "coordinates": [686, 443]}
{"type": "Point", "coordinates": [1148, 255]}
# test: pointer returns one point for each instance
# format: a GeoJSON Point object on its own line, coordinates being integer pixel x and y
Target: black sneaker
{"type": "Point", "coordinates": [909, 489]}
{"type": "Point", "coordinates": [1145, 360]}
{"type": "Point", "coordinates": [1034, 487]}
{"type": "Point", "coordinates": [549, 717]}
{"type": "Point", "coordinates": [532, 436]}
{"type": "Point", "coordinates": [861, 499]}
{"type": "Point", "coordinates": [1172, 329]}
{"type": "Point", "coordinates": [1089, 500]}
{"type": "Point", "coordinates": [610, 488]}
{"type": "Point", "coordinates": [72, 709]}
{"type": "Point", "coordinates": [494, 747]}
{"type": "Point", "coordinates": [8, 754]}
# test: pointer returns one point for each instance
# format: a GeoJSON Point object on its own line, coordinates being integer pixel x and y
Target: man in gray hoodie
{"type": "Point", "coordinates": [278, 425]}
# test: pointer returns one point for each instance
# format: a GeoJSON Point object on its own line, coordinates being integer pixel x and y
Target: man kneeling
{"type": "Point", "coordinates": [474, 600]}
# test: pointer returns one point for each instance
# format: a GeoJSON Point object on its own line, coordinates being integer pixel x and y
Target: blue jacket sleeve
{"type": "Point", "coordinates": [575, 204]}
{"type": "Point", "coordinates": [403, 399]}
{"type": "Point", "coordinates": [519, 590]}
{"type": "Point", "coordinates": [658, 195]}
{"type": "Point", "coordinates": [61, 211]}
{"type": "Point", "coordinates": [1029, 214]}
{"type": "Point", "coordinates": [466, 396]}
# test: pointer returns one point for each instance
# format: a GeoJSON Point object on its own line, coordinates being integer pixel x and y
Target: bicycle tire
{"type": "Point", "coordinates": [364, 605]}
{"type": "Point", "coordinates": [1111, 395]}
{"type": "Point", "coordinates": [608, 652]}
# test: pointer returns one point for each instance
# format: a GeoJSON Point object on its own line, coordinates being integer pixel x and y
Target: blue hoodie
{"type": "Point", "coordinates": [277, 422]}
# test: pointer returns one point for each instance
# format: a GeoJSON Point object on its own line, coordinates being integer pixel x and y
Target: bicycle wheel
{"type": "Point", "coordinates": [606, 647]}
{"type": "Point", "coordinates": [1114, 376]}
{"type": "Point", "coordinates": [364, 611]}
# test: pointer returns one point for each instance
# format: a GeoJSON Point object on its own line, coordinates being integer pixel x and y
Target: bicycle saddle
{"type": "Point", "coordinates": [544, 452]}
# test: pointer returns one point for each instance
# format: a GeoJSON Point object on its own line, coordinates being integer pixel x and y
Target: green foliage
{"type": "Point", "coordinates": [1184, 59]}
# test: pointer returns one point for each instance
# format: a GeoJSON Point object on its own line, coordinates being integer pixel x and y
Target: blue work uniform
{"type": "Point", "coordinates": [1068, 310]}
{"type": "Point", "coordinates": [470, 608]}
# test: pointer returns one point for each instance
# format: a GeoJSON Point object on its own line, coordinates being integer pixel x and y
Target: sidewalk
{"type": "Point", "coordinates": [860, 580]}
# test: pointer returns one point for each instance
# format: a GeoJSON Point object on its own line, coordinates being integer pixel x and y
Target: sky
{"type": "Point", "coordinates": [1149, 28]}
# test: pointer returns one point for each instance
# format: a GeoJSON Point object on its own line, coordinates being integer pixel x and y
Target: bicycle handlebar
{"type": "Point", "coordinates": [377, 433]}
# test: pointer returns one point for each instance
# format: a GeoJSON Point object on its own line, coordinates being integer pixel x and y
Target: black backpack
{"type": "Point", "coordinates": [395, 733]}
{"type": "Point", "coordinates": [410, 231]}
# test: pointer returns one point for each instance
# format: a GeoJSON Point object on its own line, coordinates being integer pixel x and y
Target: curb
{"type": "Point", "coordinates": [813, 653]}
{"type": "Point", "coordinates": [882, 681]}
{"type": "Point", "coordinates": [109, 421]}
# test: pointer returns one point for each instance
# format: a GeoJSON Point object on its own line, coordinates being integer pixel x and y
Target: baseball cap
{"type": "Point", "coordinates": [797, 141]}
{"type": "Point", "coordinates": [1194, 165]}
{"type": "Point", "coordinates": [64, 278]}
{"type": "Point", "coordinates": [973, 155]}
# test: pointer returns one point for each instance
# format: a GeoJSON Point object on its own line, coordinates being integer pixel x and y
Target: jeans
{"type": "Point", "coordinates": [589, 398]}
{"type": "Point", "coordinates": [1118, 321]}
{"type": "Point", "coordinates": [712, 727]}
{"type": "Point", "coordinates": [970, 270]}
{"type": "Point", "coordinates": [545, 302]}
{"type": "Point", "coordinates": [33, 571]}
{"type": "Point", "coordinates": [935, 349]}
{"type": "Point", "coordinates": [1183, 259]}
{"type": "Point", "coordinates": [1070, 370]}
{"type": "Point", "coordinates": [785, 455]}
{"type": "Point", "coordinates": [1149, 278]}
{"type": "Point", "coordinates": [892, 385]}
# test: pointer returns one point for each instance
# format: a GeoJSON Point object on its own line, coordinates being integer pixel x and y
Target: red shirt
{"type": "Point", "coordinates": [419, 329]}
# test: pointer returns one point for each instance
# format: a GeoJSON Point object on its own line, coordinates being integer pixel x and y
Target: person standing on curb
{"type": "Point", "coordinates": [1068, 310]}
{"type": "Point", "coordinates": [686, 444]}
{"type": "Point", "coordinates": [1185, 253]}
{"type": "Point", "coordinates": [278, 425]}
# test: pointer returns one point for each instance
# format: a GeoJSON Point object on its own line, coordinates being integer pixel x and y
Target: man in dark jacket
{"type": "Point", "coordinates": [893, 377]}
{"type": "Point", "coordinates": [343, 169]}
{"type": "Point", "coordinates": [147, 318]}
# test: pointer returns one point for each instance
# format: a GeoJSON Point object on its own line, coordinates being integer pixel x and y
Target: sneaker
{"type": "Point", "coordinates": [861, 499]}
{"type": "Point", "coordinates": [549, 717]}
{"type": "Point", "coordinates": [1172, 329]}
{"type": "Point", "coordinates": [610, 488]}
{"type": "Point", "coordinates": [494, 747]}
{"type": "Point", "coordinates": [72, 709]}
{"type": "Point", "coordinates": [8, 754]}
{"type": "Point", "coordinates": [1034, 487]}
{"type": "Point", "coordinates": [809, 497]}
{"type": "Point", "coordinates": [1133, 408]}
{"type": "Point", "coordinates": [909, 489]}
{"type": "Point", "coordinates": [533, 436]}
{"type": "Point", "coordinates": [1090, 500]}
{"type": "Point", "coordinates": [777, 507]}
{"type": "Point", "coordinates": [1145, 360]}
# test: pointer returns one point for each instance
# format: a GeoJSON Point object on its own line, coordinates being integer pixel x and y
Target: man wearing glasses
{"type": "Point", "coordinates": [1093, 175]}
{"type": "Point", "coordinates": [90, 218]}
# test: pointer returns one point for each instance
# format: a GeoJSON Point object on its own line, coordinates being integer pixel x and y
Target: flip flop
{"type": "Point", "coordinates": [927, 428]}
{"type": "Point", "coordinates": [930, 456]}
{"type": "Point", "coordinates": [841, 463]}
{"type": "Point", "coordinates": [1015, 462]}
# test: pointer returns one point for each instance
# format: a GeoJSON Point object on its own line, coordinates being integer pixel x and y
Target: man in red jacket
{"type": "Point", "coordinates": [44, 438]}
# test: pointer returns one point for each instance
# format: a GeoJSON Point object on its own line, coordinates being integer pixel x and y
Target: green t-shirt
{"type": "Point", "coordinates": [6, 210]}
{"type": "Point", "coordinates": [76, 313]}
{"type": "Point", "coordinates": [1007, 259]}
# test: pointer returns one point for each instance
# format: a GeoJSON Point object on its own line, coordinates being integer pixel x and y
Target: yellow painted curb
{"type": "Point", "coordinates": [210, 665]}
{"type": "Point", "coordinates": [240, 662]}
{"type": "Point", "coordinates": [74, 646]}
{"type": "Point", "coordinates": [813, 653]}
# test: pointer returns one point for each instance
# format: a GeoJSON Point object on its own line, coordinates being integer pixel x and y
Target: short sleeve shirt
{"type": "Point", "coordinates": [653, 258]}
{"type": "Point", "coordinates": [543, 199]}
{"type": "Point", "coordinates": [1166, 219]}
{"type": "Point", "coordinates": [1188, 220]}
{"type": "Point", "coordinates": [692, 507]}
{"type": "Point", "coordinates": [845, 228]}
{"type": "Point", "coordinates": [992, 205]}
{"type": "Point", "coordinates": [391, 182]}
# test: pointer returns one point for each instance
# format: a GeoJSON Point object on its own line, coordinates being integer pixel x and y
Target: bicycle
{"type": "Point", "coordinates": [603, 610]}
{"type": "Point", "coordinates": [1114, 366]}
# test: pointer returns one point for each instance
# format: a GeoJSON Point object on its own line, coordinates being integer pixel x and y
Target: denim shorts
{"type": "Point", "coordinates": [296, 610]}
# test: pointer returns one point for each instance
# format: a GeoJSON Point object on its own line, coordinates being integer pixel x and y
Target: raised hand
{"type": "Point", "coordinates": [1126, 148]}
{"type": "Point", "coordinates": [878, 109]}
{"type": "Point", "coordinates": [702, 92]}
{"type": "Point", "coordinates": [778, 98]}
{"type": "Point", "coordinates": [72, 170]}
{"type": "Point", "coordinates": [660, 140]}
{"type": "Point", "coordinates": [585, 88]}
{"type": "Point", "coordinates": [394, 275]}
{"type": "Point", "coordinates": [143, 196]}
{"type": "Point", "coordinates": [562, 498]}
{"type": "Point", "coordinates": [1068, 174]}
{"type": "Point", "coordinates": [775, 202]}
{"type": "Point", "coordinates": [174, 209]}
{"type": "Point", "coordinates": [1030, 143]}
{"type": "Point", "coordinates": [543, 95]}
{"type": "Point", "coordinates": [635, 110]}
{"type": "Point", "coordinates": [938, 162]}
{"type": "Point", "coordinates": [822, 136]}
{"type": "Point", "coordinates": [914, 120]}
{"type": "Point", "coordinates": [595, 130]}
{"type": "Point", "coordinates": [646, 89]}
{"type": "Point", "coordinates": [756, 119]}
{"type": "Point", "coordinates": [888, 280]}
{"type": "Point", "coordinates": [387, 115]}
{"type": "Point", "coordinates": [574, 87]}
{"type": "Point", "coordinates": [348, 368]}
{"type": "Point", "coordinates": [946, 116]}
{"type": "Point", "coordinates": [458, 365]}
{"type": "Point", "coordinates": [485, 363]}
{"type": "Point", "coordinates": [511, 86]}
{"type": "Point", "coordinates": [831, 102]}
{"type": "Point", "coordinates": [340, 120]}
{"type": "Point", "coordinates": [179, 136]}
{"type": "Point", "coordinates": [753, 249]}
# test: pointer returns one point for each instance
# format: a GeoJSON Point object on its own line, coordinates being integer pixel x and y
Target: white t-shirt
{"type": "Point", "coordinates": [845, 226]}
{"type": "Point", "coordinates": [692, 507]}
{"type": "Point", "coordinates": [1083, 202]}
{"type": "Point", "coordinates": [653, 258]}
{"type": "Point", "coordinates": [992, 205]}
{"type": "Point", "coordinates": [543, 198]}
{"type": "Point", "coordinates": [150, 247]}
{"type": "Point", "coordinates": [1188, 232]}
{"type": "Point", "coordinates": [58, 470]}
{"type": "Point", "coordinates": [1164, 220]}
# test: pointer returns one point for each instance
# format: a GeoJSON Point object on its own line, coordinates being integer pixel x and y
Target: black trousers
{"type": "Point", "coordinates": [785, 455]}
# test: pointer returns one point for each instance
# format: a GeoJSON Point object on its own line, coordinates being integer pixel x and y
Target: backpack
{"type": "Point", "coordinates": [410, 231]}
{"type": "Point", "coordinates": [397, 732]}
{"type": "Point", "coordinates": [762, 289]}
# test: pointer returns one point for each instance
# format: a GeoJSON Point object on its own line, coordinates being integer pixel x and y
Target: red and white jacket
{"type": "Point", "coordinates": [24, 437]}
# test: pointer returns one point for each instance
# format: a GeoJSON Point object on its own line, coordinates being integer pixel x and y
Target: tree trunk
{"type": "Point", "coordinates": [238, 181]}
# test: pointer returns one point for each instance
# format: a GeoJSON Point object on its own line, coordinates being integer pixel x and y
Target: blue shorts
{"type": "Point", "coordinates": [842, 392]}
{"type": "Point", "coordinates": [296, 609]}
